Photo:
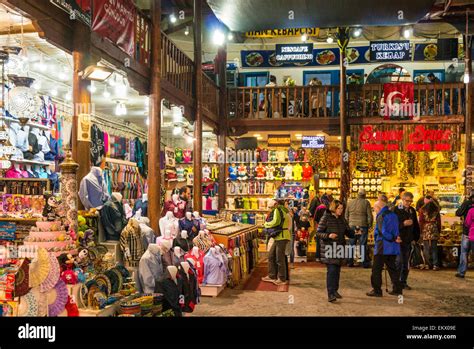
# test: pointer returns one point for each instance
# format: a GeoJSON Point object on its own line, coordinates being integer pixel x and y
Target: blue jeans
{"type": "Point", "coordinates": [363, 245]}
{"type": "Point", "coordinates": [430, 250]}
{"type": "Point", "coordinates": [466, 246]}
{"type": "Point", "coordinates": [403, 262]}
{"type": "Point", "coordinates": [332, 278]}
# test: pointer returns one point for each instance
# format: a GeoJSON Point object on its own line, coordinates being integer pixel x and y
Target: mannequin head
{"type": "Point", "coordinates": [213, 251]}
{"type": "Point", "coordinates": [196, 214]}
{"type": "Point", "coordinates": [189, 216]}
{"type": "Point", "coordinates": [165, 246]}
{"type": "Point", "coordinates": [177, 251]}
{"type": "Point", "coordinates": [184, 234]}
{"type": "Point", "coordinates": [154, 248]}
{"type": "Point", "coordinates": [186, 267]}
{"type": "Point", "coordinates": [202, 234]}
{"type": "Point", "coordinates": [169, 215]}
{"type": "Point", "coordinates": [117, 196]}
{"type": "Point", "coordinates": [35, 131]}
{"type": "Point", "coordinates": [172, 270]}
{"type": "Point", "coordinates": [195, 251]}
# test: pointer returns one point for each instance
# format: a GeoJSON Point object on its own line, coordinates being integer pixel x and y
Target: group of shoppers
{"type": "Point", "coordinates": [400, 229]}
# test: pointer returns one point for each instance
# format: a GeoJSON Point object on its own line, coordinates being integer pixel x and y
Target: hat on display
{"type": "Point", "coordinates": [53, 275]}
{"type": "Point", "coordinates": [39, 269]}
{"type": "Point", "coordinates": [57, 299]}
{"type": "Point", "coordinates": [22, 280]}
{"type": "Point", "coordinates": [28, 306]}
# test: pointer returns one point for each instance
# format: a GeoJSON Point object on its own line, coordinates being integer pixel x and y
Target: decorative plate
{"type": "Point", "coordinates": [367, 181]}
{"type": "Point", "coordinates": [82, 300]}
{"type": "Point", "coordinates": [373, 181]}
{"type": "Point", "coordinates": [379, 188]}
{"type": "Point", "coordinates": [113, 280]}
{"type": "Point", "coordinates": [123, 270]}
{"type": "Point", "coordinates": [120, 277]}
{"type": "Point", "coordinates": [104, 283]}
{"type": "Point", "coordinates": [379, 180]}
{"type": "Point", "coordinates": [57, 299]}
{"type": "Point", "coordinates": [93, 253]}
{"type": "Point", "coordinates": [28, 306]}
{"type": "Point", "coordinates": [373, 188]}
{"type": "Point", "coordinates": [361, 181]}
{"type": "Point", "coordinates": [355, 188]}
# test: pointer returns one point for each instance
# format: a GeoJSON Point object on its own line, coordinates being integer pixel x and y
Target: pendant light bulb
{"type": "Point", "coordinates": [329, 40]}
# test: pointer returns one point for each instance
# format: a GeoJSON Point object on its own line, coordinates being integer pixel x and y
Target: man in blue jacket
{"type": "Point", "coordinates": [386, 249]}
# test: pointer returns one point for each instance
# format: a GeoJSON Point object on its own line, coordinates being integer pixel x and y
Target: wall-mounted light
{"type": "Point", "coordinates": [407, 32]}
{"type": "Point", "coordinates": [466, 77]}
{"type": "Point", "coordinates": [304, 37]}
{"type": "Point", "coordinates": [173, 18]}
{"type": "Point", "coordinates": [330, 39]}
{"type": "Point", "coordinates": [96, 73]}
{"type": "Point", "coordinates": [68, 96]}
{"type": "Point", "coordinates": [230, 36]}
{"type": "Point", "coordinates": [357, 32]}
{"type": "Point", "coordinates": [218, 38]}
{"type": "Point", "coordinates": [120, 109]}
{"type": "Point", "coordinates": [186, 31]}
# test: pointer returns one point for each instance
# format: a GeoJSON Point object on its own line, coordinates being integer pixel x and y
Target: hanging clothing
{"type": "Point", "coordinates": [172, 293]}
{"type": "Point", "coordinates": [198, 264]}
{"type": "Point", "coordinates": [171, 224]}
{"type": "Point", "coordinates": [93, 190]}
{"type": "Point", "coordinates": [184, 244]}
{"type": "Point", "coordinates": [150, 270]}
{"type": "Point", "coordinates": [191, 226]}
{"type": "Point", "coordinates": [53, 150]}
{"type": "Point", "coordinates": [190, 289]}
{"type": "Point", "coordinates": [113, 219]}
{"type": "Point", "coordinates": [131, 243]}
{"type": "Point", "coordinates": [148, 235]}
{"type": "Point", "coordinates": [97, 145]}
{"type": "Point", "coordinates": [143, 205]}
{"type": "Point", "coordinates": [33, 147]}
{"type": "Point", "coordinates": [214, 270]}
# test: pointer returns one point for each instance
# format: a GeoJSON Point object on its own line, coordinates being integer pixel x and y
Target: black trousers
{"type": "Point", "coordinates": [377, 268]}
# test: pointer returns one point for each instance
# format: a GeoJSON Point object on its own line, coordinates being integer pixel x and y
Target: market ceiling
{"type": "Point", "coordinates": [247, 15]}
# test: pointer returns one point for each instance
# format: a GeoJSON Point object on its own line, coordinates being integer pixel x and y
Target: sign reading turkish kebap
{"type": "Point", "coordinates": [291, 53]}
{"type": "Point", "coordinates": [115, 21]}
{"type": "Point", "coordinates": [80, 9]}
{"type": "Point", "coordinates": [282, 32]}
{"type": "Point", "coordinates": [406, 138]}
{"type": "Point", "coordinates": [382, 51]}
{"type": "Point", "coordinates": [398, 101]}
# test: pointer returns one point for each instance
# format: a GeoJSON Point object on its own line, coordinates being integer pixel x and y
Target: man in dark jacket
{"type": "Point", "coordinates": [386, 249]}
{"type": "Point", "coordinates": [409, 231]}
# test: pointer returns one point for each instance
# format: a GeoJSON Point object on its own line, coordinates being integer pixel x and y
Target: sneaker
{"type": "Point", "coordinates": [332, 299]}
{"type": "Point", "coordinates": [406, 287]}
{"type": "Point", "coordinates": [278, 282]}
{"type": "Point", "coordinates": [338, 296]}
{"type": "Point", "coordinates": [374, 294]}
{"type": "Point", "coordinates": [268, 279]}
{"type": "Point", "coordinates": [436, 268]}
{"type": "Point", "coordinates": [459, 276]}
{"type": "Point", "coordinates": [395, 293]}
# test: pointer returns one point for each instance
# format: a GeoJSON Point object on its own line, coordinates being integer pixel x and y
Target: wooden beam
{"type": "Point", "coordinates": [377, 120]}
{"type": "Point", "coordinates": [154, 130]}
{"type": "Point", "coordinates": [222, 129]}
{"type": "Point", "coordinates": [176, 28]}
{"type": "Point", "coordinates": [468, 126]}
{"type": "Point", "coordinates": [329, 125]}
{"type": "Point", "coordinates": [198, 89]}
{"type": "Point", "coordinates": [81, 98]}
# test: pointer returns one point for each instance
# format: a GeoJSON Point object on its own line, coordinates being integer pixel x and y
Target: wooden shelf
{"type": "Point", "coordinates": [31, 162]}
{"type": "Point", "coordinates": [24, 179]}
{"type": "Point", "coordinates": [31, 124]}
{"type": "Point", "coordinates": [121, 162]}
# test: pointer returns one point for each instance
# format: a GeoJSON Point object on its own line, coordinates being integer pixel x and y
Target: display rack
{"type": "Point", "coordinates": [31, 124]}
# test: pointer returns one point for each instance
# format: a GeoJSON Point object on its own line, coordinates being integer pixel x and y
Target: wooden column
{"type": "Point", "coordinates": [343, 41]}
{"type": "Point", "coordinates": [197, 189]}
{"type": "Point", "coordinates": [222, 131]}
{"type": "Point", "coordinates": [81, 97]}
{"type": "Point", "coordinates": [154, 130]}
{"type": "Point", "coordinates": [468, 121]}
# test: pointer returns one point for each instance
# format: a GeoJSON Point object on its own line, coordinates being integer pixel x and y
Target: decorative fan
{"type": "Point", "coordinates": [39, 270]}
{"type": "Point", "coordinates": [22, 279]}
{"type": "Point", "coordinates": [53, 275]}
{"type": "Point", "coordinates": [57, 299]}
{"type": "Point", "coordinates": [28, 306]}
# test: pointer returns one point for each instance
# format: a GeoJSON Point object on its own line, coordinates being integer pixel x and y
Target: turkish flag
{"type": "Point", "coordinates": [398, 101]}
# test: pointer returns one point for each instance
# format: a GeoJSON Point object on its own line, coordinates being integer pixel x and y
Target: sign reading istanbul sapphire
{"type": "Point", "coordinates": [390, 50]}
{"type": "Point", "coordinates": [288, 53]}
{"type": "Point", "coordinates": [312, 142]}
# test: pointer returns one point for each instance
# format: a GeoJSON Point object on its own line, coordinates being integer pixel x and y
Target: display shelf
{"type": "Point", "coordinates": [121, 162]}
{"type": "Point", "coordinates": [31, 162]}
{"type": "Point", "coordinates": [268, 162]}
{"type": "Point", "coordinates": [7, 219]}
{"type": "Point", "coordinates": [250, 194]}
{"type": "Point", "coordinates": [211, 290]}
{"type": "Point", "coordinates": [249, 210]}
{"type": "Point", "coordinates": [31, 124]}
{"type": "Point", "coordinates": [24, 179]}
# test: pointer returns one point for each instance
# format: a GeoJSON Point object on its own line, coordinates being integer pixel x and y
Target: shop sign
{"type": "Point", "coordinates": [7, 231]}
{"type": "Point", "coordinates": [417, 139]}
{"type": "Point", "coordinates": [282, 33]}
{"type": "Point", "coordinates": [383, 51]}
{"type": "Point", "coordinates": [279, 140]}
{"type": "Point", "coordinates": [84, 127]}
{"type": "Point", "coordinates": [313, 142]}
{"type": "Point", "coordinates": [115, 20]}
{"type": "Point", "coordinates": [77, 9]}
{"type": "Point", "coordinates": [398, 101]}
{"type": "Point", "coordinates": [442, 50]}
{"type": "Point", "coordinates": [289, 53]}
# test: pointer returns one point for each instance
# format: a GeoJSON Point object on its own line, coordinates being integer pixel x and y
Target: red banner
{"type": "Point", "coordinates": [115, 21]}
{"type": "Point", "coordinates": [398, 101]}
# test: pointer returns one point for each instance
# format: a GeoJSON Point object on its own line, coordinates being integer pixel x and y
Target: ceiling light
{"type": "Point", "coordinates": [92, 88]}
{"type": "Point", "coordinates": [407, 33]}
{"type": "Point", "coordinates": [147, 122]}
{"type": "Point", "coordinates": [304, 37]}
{"type": "Point", "coordinates": [357, 32]}
{"type": "Point", "coordinates": [186, 31]}
{"type": "Point", "coordinates": [54, 92]}
{"type": "Point", "coordinates": [329, 40]}
{"type": "Point", "coordinates": [106, 93]}
{"type": "Point", "coordinates": [173, 18]}
{"type": "Point", "coordinates": [96, 73]}
{"type": "Point", "coordinates": [41, 65]}
{"type": "Point", "coordinates": [298, 135]}
{"type": "Point", "coordinates": [218, 38]}
{"type": "Point", "coordinates": [121, 89]}
{"type": "Point", "coordinates": [68, 96]}
{"type": "Point", "coordinates": [120, 109]}
{"type": "Point", "coordinates": [230, 36]}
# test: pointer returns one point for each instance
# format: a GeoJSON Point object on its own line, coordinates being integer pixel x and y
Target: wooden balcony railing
{"type": "Point", "coordinates": [143, 39]}
{"type": "Point", "coordinates": [278, 102]}
{"type": "Point", "coordinates": [176, 67]}
{"type": "Point", "coordinates": [323, 101]}
{"type": "Point", "coordinates": [210, 98]}
{"type": "Point", "coordinates": [429, 99]}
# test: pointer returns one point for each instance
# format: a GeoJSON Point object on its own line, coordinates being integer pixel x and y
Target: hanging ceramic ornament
{"type": "Point", "coordinates": [22, 99]}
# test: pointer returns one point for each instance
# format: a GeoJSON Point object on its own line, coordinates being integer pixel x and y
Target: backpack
{"type": "Point", "coordinates": [275, 231]}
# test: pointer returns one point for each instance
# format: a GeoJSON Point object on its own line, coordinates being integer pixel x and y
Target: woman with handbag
{"type": "Point", "coordinates": [332, 232]}
{"type": "Point", "coordinates": [277, 228]}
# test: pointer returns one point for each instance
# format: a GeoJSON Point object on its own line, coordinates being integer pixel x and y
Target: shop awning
{"type": "Point", "coordinates": [245, 15]}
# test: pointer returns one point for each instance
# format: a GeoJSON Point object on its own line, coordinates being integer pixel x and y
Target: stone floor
{"type": "Point", "coordinates": [434, 294]}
